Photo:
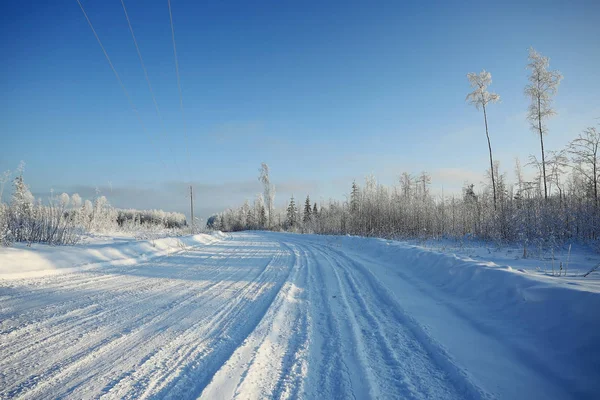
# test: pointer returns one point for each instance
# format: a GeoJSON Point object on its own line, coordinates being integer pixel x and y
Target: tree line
{"type": "Point", "coordinates": [66, 219]}
{"type": "Point", "coordinates": [559, 204]}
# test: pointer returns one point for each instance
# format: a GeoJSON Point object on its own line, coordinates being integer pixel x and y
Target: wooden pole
{"type": "Point", "coordinates": [192, 208]}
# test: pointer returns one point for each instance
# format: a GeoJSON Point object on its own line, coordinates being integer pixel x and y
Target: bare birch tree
{"type": "Point", "coordinates": [543, 85]}
{"type": "Point", "coordinates": [480, 98]}
{"type": "Point", "coordinates": [269, 191]}
{"type": "Point", "coordinates": [584, 152]}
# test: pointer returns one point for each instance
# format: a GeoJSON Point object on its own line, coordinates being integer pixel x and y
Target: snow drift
{"type": "Point", "coordinates": [22, 261]}
{"type": "Point", "coordinates": [550, 322]}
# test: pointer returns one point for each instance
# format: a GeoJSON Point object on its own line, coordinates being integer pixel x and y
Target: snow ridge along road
{"type": "Point", "coordinates": [267, 315]}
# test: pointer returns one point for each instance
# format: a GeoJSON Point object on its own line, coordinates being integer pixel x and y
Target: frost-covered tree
{"type": "Point", "coordinates": [87, 214]}
{"type": "Point", "coordinates": [556, 163]}
{"type": "Point", "coordinates": [292, 214]}
{"type": "Point", "coordinates": [411, 211]}
{"type": "Point", "coordinates": [543, 85]}
{"type": "Point", "coordinates": [586, 158]}
{"type": "Point", "coordinates": [4, 177]}
{"type": "Point", "coordinates": [76, 200]}
{"type": "Point", "coordinates": [262, 217]}
{"type": "Point", "coordinates": [306, 218]}
{"type": "Point", "coordinates": [259, 212]}
{"type": "Point", "coordinates": [64, 200]}
{"type": "Point", "coordinates": [21, 209]}
{"type": "Point", "coordinates": [63, 219]}
{"type": "Point", "coordinates": [519, 175]}
{"type": "Point", "coordinates": [355, 199]}
{"type": "Point", "coordinates": [480, 98]}
{"type": "Point", "coordinates": [269, 191]}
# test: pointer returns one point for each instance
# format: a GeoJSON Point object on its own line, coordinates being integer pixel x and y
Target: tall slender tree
{"type": "Point", "coordinates": [543, 85]}
{"type": "Point", "coordinates": [354, 198]}
{"type": "Point", "coordinates": [306, 218]}
{"type": "Point", "coordinates": [480, 98]}
{"type": "Point", "coordinates": [292, 213]}
{"type": "Point", "coordinates": [269, 190]}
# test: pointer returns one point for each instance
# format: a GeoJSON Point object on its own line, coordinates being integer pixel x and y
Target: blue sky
{"type": "Point", "coordinates": [324, 92]}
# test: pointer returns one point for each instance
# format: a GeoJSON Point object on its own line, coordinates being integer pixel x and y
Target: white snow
{"type": "Point", "coordinates": [258, 314]}
{"type": "Point", "coordinates": [23, 261]}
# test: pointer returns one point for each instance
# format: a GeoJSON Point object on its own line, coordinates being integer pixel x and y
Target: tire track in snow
{"type": "Point", "coordinates": [271, 361]}
{"type": "Point", "coordinates": [140, 321]}
{"type": "Point", "coordinates": [217, 351]}
{"type": "Point", "coordinates": [294, 366]}
{"type": "Point", "coordinates": [403, 369]}
{"type": "Point", "coordinates": [279, 316]}
{"type": "Point", "coordinates": [377, 330]}
{"type": "Point", "coordinates": [54, 324]}
{"type": "Point", "coordinates": [172, 315]}
{"type": "Point", "coordinates": [195, 351]}
{"type": "Point", "coordinates": [339, 369]}
{"type": "Point", "coordinates": [89, 345]}
{"type": "Point", "coordinates": [65, 281]}
{"type": "Point", "coordinates": [438, 355]}
{"type": "Point", "coordinates": [361, 388]}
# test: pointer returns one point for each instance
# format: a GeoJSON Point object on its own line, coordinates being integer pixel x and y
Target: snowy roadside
{"type": "Point", "coordinates": [21, 261]}
{"type": "Point", "coordinates": [467, 301]}
{"type": "Point", "coordinates": [574, 259]}
{"type": "Point", "coordinates": [541, 264]}
{"type": "Point", "coordinates": [264, 314]}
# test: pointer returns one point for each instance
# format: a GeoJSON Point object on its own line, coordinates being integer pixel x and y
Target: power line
{"type": "Point", "coordinates": [180, 93]}
{"type": "Point", "coordinates": [133, 107]}
{"type": "Point", "coordinates": [149, 86]}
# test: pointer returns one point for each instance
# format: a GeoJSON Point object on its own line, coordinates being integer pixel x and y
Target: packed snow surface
{"type": "Point", "coordinates": [269, 315]}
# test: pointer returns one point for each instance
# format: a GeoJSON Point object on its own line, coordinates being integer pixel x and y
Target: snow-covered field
{"type": "Point", "coordinates": [255, 315]}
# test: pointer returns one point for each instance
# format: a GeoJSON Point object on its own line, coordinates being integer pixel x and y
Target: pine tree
{"type": "Point", "coordinates": [250, 219]}
{"type": "Point", "coordinates": [354, 199]}
{"type": "Point", "coordinates": [262, 217]}
{"type": "Point", "coordinates": [307, 211]}
{"type": "Point", "coordinates": [292, 213]}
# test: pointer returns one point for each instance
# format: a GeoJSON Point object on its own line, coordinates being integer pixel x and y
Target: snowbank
{"type": "Point", "coordinates": [40, 259]}
{"type": "Point", "coordinates": [552, 322]}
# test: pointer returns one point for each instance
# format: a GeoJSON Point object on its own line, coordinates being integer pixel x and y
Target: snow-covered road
{"type": "Point", "coordinates": [266, 315]}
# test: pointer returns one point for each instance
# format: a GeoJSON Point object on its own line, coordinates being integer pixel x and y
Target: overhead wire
{"type": "Point", "coordinates": [158, 113]}
{"type": "Point", "coordinates": [180, 92]}
{"type": "Point", "coordinates": [112, 67]}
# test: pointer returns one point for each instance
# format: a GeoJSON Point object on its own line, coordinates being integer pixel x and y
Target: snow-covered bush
{"type": "Point", "coordinates": [64, 219]}
{"type": "Point", "coordinates": [4, 231]}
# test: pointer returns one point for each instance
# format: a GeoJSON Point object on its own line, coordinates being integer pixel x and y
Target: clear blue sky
{"type": "Point", "coordinates": [324, 92]}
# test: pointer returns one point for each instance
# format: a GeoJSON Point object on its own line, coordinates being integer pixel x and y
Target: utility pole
{"type": "Point", "coordinates": [192, 208]}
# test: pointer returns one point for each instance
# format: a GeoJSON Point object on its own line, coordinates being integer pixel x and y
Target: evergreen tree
{"type": "Point", "coordinates": [307, 211]}
{"type": "Point", "coordinates": [292, 213]}
{"type": "Point", "coordinates": [262, 217]}
{"type": "Point", "coordinates": [355, 199]}
{"type": "Point", "coordinates": [251, 219]}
